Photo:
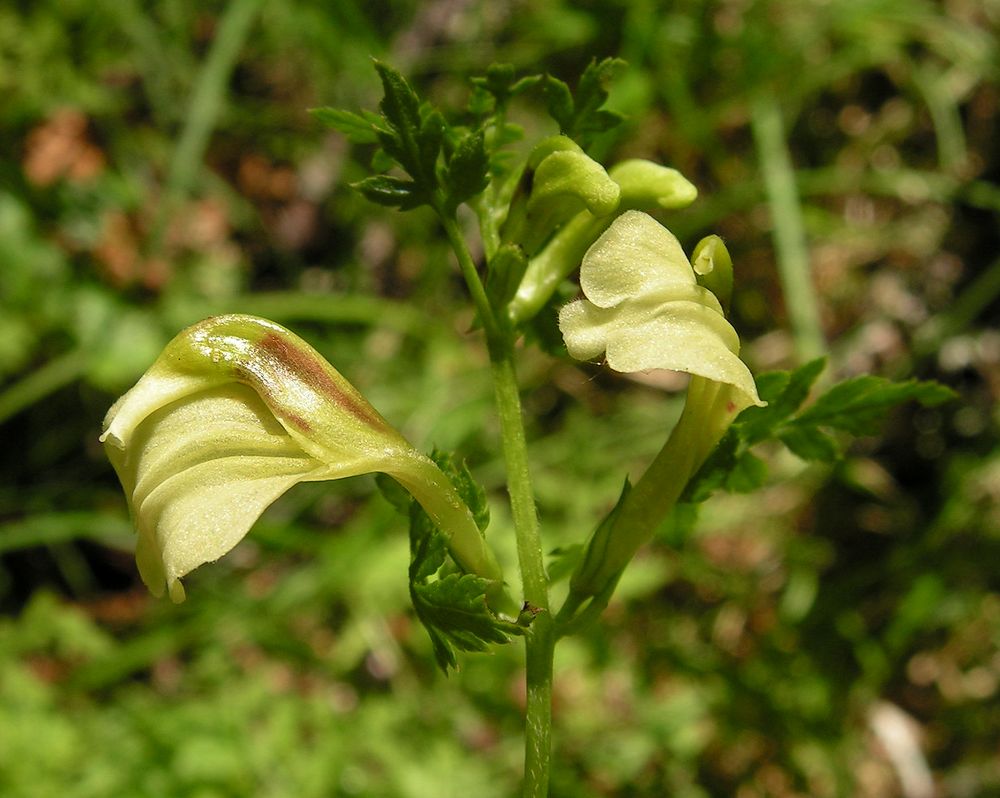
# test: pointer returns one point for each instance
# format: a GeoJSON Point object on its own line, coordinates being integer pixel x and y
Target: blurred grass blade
{"type": "Point", "coordinates": [790, 246]}
{"type": "Point", "coordinates": [207, 100]}
{"type": "Point", "coordinates": [46, 529]}
{"type": "Point", "coordinates": [45, 380]}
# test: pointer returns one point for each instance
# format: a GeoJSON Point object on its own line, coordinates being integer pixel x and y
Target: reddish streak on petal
{"type": "Point", "coordinates": [312, 372]}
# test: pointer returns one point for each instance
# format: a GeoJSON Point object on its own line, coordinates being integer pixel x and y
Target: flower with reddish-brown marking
{"type": "Point", "coordinates": [234, 412]}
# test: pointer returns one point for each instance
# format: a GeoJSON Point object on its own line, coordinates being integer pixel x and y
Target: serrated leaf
{"type": "Point", "coordinates": [468, 170]}
{"type": "Point", "coordinates": [359, 128]}
{"type": "Point", "coordinates": [413, 138]}
{"type": "Point", "coordinates": [391, 191]}
{"type": "Point", "coordinates": [859, 404]}
{"type": "Point", "coordinates": [400, 104]}
{"type": "Point", "coordinates": [810, 443]}
{"type": "Point", "coordinates": [428, 546]}
{"type": "Point", "coordinates": [453, 609]}
{"type": "Point", "coordinates": [748, 474]}
{"type": "Point", "coordinates": [559, 102]}
{"type": "Point", "coordinates": [597, 122]}
{"type": "Point", "coordinates": [429, 138]}
{"type": "Point", "coordinates": [770, 384]}
{"type": "Point", "coordinates": [593, 89]}
{"type": "Point", "coordinates": [713, 472]}
{"type": "Point", "coordinates": [784, 395]}
{"type": "Point", "coordinates": [581, 117]}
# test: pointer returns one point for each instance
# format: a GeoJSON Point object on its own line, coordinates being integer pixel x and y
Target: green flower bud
{"type": "Point", "coordinates": [714, 268]}
{"type": "Point", "coordinates": [644, 186]}
{"type": "Point", "coordinates": [235, 411]}
{"type": "Point", "coordinates": [564, 180]}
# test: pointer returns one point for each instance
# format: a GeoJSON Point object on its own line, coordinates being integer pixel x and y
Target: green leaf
{"type": "Point", "coordinates": [392, 191]}
{"type": "Point", "coordinates": [451, 606]}
{"type": "Point", "coordinates": [860, 404]}
{"type": "Point", "coordinates": [360, 128]}
{"type": "Point", "coordinates": [429, 140]}
{"type": "Point", "coordinates": [583, 117]}
{"type": "Point", "coordinates": [412, 137]}
{"type": "Point", "coordinates": [713, 472]}
{"type": "Point", "coordinates": [468, 171]}
{"type": "Point", "coordinates": [592, 92]}
{"type": "Point", "coordinates": [748, 474]}
{"type": "Point", "coordinates": [784, 394]}
{"type": "Point", "coordinates": [453, 609]}
{"type": "Point", "coordinates": [400, 105]}
{"type": "Point", "coordinates": [810, 443]}
{"type": "Point", "coordinates": [855, 406]}
{"type": "Point", "coordinates": [559, 102]}
{"type": "Point", "coordinates": [428, 546]}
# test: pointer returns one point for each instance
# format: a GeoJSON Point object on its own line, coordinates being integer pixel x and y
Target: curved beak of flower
{"type": "Point", "coordinates": [644, 309]}
{"type": "Point", "coordinates": [234, 412]}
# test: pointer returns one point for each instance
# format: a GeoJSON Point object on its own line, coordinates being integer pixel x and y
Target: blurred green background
{"type": "Point", "coordinates": [836, 634]}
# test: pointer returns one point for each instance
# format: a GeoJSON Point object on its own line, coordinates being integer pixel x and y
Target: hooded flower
{"type": "Point", "coordinates": [644, 309]}
{"type": "Point", "coordinates": [234, 412]}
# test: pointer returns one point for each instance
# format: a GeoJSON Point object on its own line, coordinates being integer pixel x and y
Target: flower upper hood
{"type": "Point", "coordinates": [644, 309]}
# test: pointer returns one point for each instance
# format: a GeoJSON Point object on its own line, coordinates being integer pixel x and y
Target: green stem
{"type": "Point", "coordinates": [540, 639]}
{"type": "Point", "coordinates": [494, 334]}
{"type": "Point", "coordinates": [790, 245]}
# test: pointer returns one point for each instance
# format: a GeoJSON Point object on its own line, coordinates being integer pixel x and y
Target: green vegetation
{"type": "Point", "coordinates": [161, 166]}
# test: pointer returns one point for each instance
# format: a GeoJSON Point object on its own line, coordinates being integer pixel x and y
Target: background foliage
{"type": "Point", "coordinates": [159, 165]}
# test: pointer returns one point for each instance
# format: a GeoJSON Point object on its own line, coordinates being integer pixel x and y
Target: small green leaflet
{"type": "Point", "coordinates": [856, 406]}
{"type": "Point", "coordinates": [445, 166]}
{"type": "Point", "coordinates": [451, 605]}
{"type": "Point", "coordinates": [582, 117]}
{"type": "Point", "coordinates": [359, 128]}
{"type": "Point", "coordinates": [467, 171]}
{"type": "Point", "coordinates": [453, 610]}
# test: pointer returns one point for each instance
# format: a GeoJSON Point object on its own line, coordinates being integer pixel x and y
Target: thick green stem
{"type": "Point", "coordinates": [540, 639]}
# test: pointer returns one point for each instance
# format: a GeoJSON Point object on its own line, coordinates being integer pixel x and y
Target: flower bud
{"type": "Point", "coordinates": [714, 268]}
{"type": "Point", "coordinates": [235, 411]}
{"type": "Point", "coordinates": [646, 185]}
{"type": "Point", "coordinates": [564, 181]}
{"type": "Point", "coordinates": [643, 185]}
